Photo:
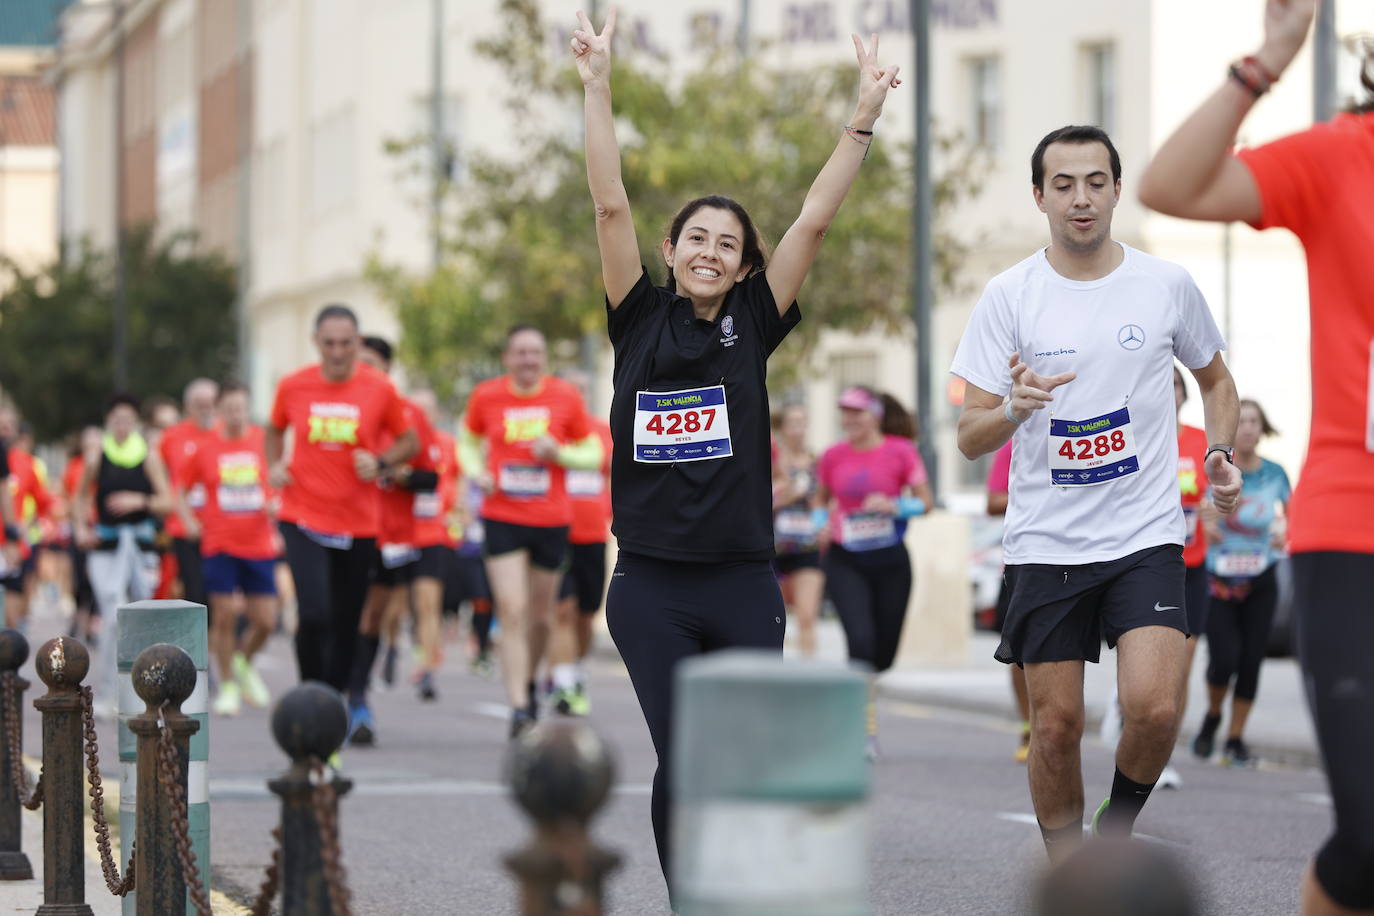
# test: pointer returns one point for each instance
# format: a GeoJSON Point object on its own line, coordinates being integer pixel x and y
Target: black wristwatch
{"type": "Point", "coordinates": [1226, 450]}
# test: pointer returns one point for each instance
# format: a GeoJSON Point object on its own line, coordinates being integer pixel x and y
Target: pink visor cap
{"type": "Point", "coordinates": [859, 399]}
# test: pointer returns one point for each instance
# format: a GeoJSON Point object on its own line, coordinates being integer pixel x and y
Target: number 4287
{"type": "Point", "coordinates": [691, 421]}
{"type": "Point", "coordinates": [1088, 448]}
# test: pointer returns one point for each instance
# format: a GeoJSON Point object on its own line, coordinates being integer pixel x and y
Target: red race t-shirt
{"type": "Point", "coordinates": [1192, 487]}
{"type": "Point", "coordinates": [1320, 184]}
{"type": "Point", "coordinates": [180, 443]}
{"type": "Point", "coordinates": [525, 491]}
{"type": "Point", "coordinates": [398, 503]}
{"type": "Point", "coordinates": [432, 509]}
{"type": "Point", "coordinates": [233, 476]}
{"type": "Point", "coordinates": [590, 493]}
{"type": "Point", "coordinates": [329, 421]}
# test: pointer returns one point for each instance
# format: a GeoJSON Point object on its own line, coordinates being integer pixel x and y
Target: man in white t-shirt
{"type": "Point", "coordinates": [1072, 352]}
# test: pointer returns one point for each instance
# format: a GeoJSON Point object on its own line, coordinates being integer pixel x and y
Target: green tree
{"type": "Point", "coordinates": [523, 249]}
{"type": "Point", "coordinates": [57, 324]}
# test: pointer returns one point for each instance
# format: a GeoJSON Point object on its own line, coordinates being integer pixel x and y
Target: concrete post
{"type": "Point", "coordinates": [184, 625]}
{"type": "Point", "coordinates": [770, 788]}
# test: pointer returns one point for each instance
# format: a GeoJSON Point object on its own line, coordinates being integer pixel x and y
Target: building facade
{"type": "Point", "coordinates": [265, 124]}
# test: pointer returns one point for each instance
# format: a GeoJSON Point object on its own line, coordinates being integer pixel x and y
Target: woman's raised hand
{"type": "Point", "coordinates": [592, 51]}
{"type": "Point", "coordinates": [873, 80]}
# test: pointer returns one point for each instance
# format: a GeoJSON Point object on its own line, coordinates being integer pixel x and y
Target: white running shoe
{"type": "Point", "coordinates": [1169, 779]}
{"type": "Point", "coordinates": [229, 701]}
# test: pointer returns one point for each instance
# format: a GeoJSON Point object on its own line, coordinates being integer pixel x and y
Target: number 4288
{"type": "Point", "coordinates": [1088, 448]}
{"type": "Point", "coordinates": [690, 421]}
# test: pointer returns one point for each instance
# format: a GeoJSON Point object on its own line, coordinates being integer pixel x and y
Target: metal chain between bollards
{"type": "Point", "coordinates": [267, 894]}
{"type": "Point", "coordinates": [325, 800]}
{"type": "Point", "coordinates": [167, 770]}
{"type": "Point", "coordinates": [30, 799]}
{"type": "Point", "coordinates": [117, 886]}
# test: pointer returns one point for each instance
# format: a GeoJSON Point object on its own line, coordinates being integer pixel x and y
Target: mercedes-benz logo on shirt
{"type": "Point", "coordinates": [1131, 337]}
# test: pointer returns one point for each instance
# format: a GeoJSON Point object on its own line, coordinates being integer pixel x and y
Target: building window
{"type": "Point", "coordinates": [1099, 64]}
{"type": "Point", "coordinates": [985, 102]}
{"type": "Point", "coordinates": [848, 369]}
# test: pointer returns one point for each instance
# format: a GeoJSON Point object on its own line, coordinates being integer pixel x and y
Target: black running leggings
{"type": "Point", "coordinates": [870, 590]}
{"type": "Point", "coordinates": [1238, 633]}
{"type": "Point", "coordinates": [1335, 619]}
{"type": "Point", "coordinates": [331, 585]}
{"type": "Point", "coordinates": [660, 612]}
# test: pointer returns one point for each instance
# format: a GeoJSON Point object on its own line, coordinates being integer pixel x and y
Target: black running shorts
{"type": "Point", "coordinates": [585, 579]}
{"type": "Point", "coordinates": [548, 547]}
{"type": "Point", "coordinates": [1062, 613]}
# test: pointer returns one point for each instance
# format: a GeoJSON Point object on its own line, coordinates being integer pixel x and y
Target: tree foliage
{"type": "Point", "coordinates": [522, 247]}
{"type": "Point", "coordinates": [57, 328]}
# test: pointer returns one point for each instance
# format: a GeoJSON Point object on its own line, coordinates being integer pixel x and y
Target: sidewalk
{"type": "Point", "coordinates": [27, 896]}
{"type": "Point", "coordinates": [1279, 730]}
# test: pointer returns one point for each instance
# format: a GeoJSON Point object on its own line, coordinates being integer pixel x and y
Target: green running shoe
{"type": "Point", "coordinates": [1097, 818]}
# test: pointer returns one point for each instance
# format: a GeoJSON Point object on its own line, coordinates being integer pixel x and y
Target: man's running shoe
{"type": "Point", "coordinates": [1237, 754]}
{"type": "Point", "coordinates": [1097, 818]}
{"type": "Point", "coordinates": [1169, 779]}
{"type": "Point", "coordinates": [254, 690]}
{"type": "Point", "coordinates": [1022, 753]}
{"type": "Point", "coordinates": [389, 666]}
{"type": "Point", "coordinates": [481, 664]}
{"type": "Point", "coordinates": [1205, 742]}
{"type": "Point", "coordinates": [424, 685]}
{"type": "Point", "coordinates": [520, 722]}
{"type": "Point", "coordinates": [361, 727]}
{"type": "Point", "coordinates": [228, 702]}
{"type": "Point", "coordinates": [572, 701]}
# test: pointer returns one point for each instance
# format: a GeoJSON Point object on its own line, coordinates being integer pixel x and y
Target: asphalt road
{"type": "Point", "coordinates": [429, 820]}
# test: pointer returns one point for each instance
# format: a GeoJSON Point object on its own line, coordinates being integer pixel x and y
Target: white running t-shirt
{"type": "Point", "coordinates": [1105, 484]}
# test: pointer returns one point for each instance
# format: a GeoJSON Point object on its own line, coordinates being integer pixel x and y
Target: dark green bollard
{"type": "Point", "coordinates": [62, 664]}
{"type": "Point", "coordinates": [309, 724]}
{"type": "Point", "coordinates": [14, 863]}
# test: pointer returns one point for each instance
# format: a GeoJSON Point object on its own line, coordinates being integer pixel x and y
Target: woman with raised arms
{"type": "Point", "coordinates": [690, 474]}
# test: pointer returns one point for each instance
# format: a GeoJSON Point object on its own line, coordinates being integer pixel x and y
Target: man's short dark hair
{"type": "Point", "coordinates": [335, 310]}
{"type": "Point", "coordinates": [519, 329]}
{"type": "Point", "coordinates": [378, 345]}
{"type": "Point", "coordinates": [231, 386]}
{"type": "Point", "coordinates": [1074, 133]}
{"type": "Point", "coordinates": [123, 399]}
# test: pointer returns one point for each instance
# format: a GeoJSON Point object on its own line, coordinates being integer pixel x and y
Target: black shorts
{"type": "Point", "coordinates": [15, 582]}
{"type": "Point", "coordinates": [389, 573]}
{"type": "Point", "coordinates": [784, 564]}
{"type": "Point", "coordinates": [586, 577]}
{"type": "Point", "coordinates": [999, 620]}
{"type": "Point", "coordinates": [548, 547]}
{"type": "Point", "coordinates": [432, 563]}
{"type": "Point", "coordinates": [1061, 613]}
{"type": "Point", "coordinates": [1197, 598]}
{"type": "Point", "coordinates": [467, 581]}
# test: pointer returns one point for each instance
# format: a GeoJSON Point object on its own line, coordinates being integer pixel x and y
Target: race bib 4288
{"type": "Point", "coordinates": [1086, 452]}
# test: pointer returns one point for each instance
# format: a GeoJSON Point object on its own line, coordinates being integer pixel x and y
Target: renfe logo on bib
{"type": "Point", "coordinates": [1088, 452]}
{"type": "Point", "coordinates": [688, 425]}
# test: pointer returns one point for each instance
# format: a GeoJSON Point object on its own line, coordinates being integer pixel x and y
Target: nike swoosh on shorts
{"type": "Point", "coordinates": [1170, 608]}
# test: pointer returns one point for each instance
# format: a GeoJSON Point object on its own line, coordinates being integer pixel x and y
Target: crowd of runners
{"type": "Point", "coordinates": [1122, 524]}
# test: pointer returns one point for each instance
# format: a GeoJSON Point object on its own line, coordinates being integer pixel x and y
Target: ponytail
{"type": "Point", "coordinates": [897, 420]}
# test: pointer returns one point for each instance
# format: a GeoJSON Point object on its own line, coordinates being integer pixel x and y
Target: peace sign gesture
{"type": "Point", "coordinates": [592, 51]}
{"type": "Point", "coordinates": [873, 81]}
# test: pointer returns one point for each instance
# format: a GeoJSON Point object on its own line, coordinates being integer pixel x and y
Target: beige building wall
{"type": "Point", "coordinates": [28, 160]}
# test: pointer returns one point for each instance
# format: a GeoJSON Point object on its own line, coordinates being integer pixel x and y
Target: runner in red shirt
{"type": "Point", "coordinates": [533, 427]}
{"type": "Point", "coordinates": [399, 564]}
{"type": "Point", "coordinates": [87, 608]}
{"type": "Point", "coordinates": [30, 501]}
{"type": "Point", "coordinates": [584, 584]}
{"type": "Point", "coordinates": [178, 447]}
{"type": "Point", "coordinates": [1318, 183]}
{"type": "Point", "coordinates": [433, 539]}
{"type": "Point", "coordinates": [338, 411]}
{"type": "Point", "coordinates": [234, 531]}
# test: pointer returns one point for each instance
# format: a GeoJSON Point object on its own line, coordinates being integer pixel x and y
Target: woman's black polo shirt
{"type": "Point", "coordinates": [704, 511]}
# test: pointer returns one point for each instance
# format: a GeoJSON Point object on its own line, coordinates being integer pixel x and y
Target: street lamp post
{"type": "Point", "coordinates": [922, 252]}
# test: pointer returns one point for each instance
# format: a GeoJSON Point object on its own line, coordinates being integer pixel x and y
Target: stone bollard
{"type": "Point", "coordinates": [161, 674]}
{"type": "Point", "coordinates": [14, 864]}
{"type": "Point", "coordinates": [182, 624]}
{"type": "Point", "coordinates": [770, 786]}
{"type": "Point", "coordinates": [62, 664]}
{"type": "Point", "coordinates": [561, 773]}
{"type": "Point", "coordinates": [309, 724]}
